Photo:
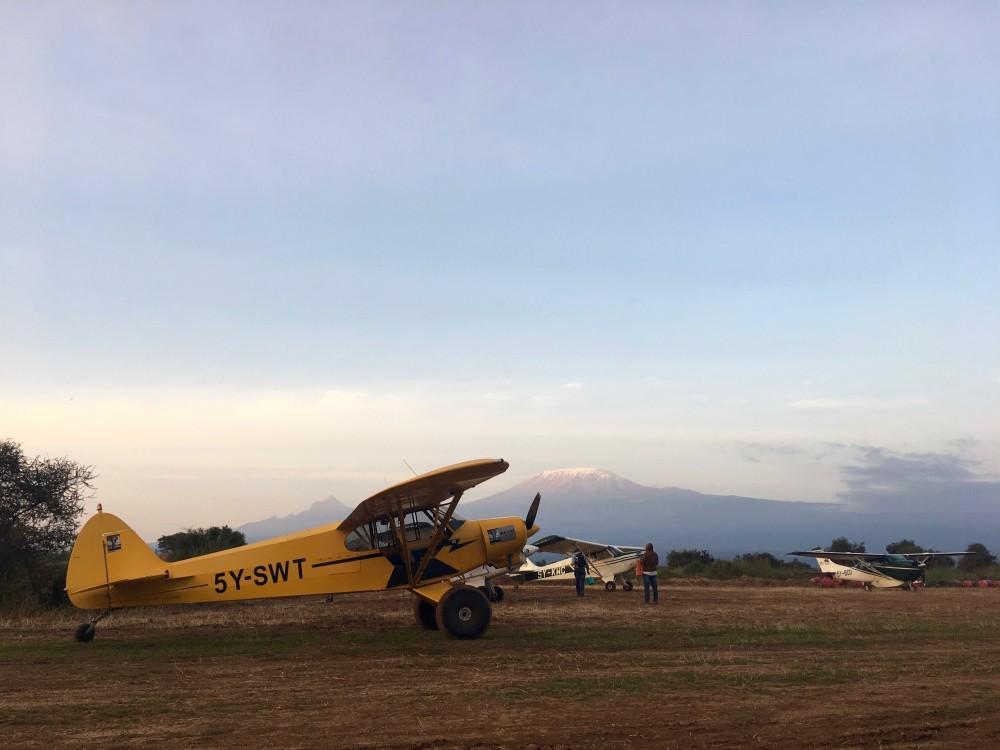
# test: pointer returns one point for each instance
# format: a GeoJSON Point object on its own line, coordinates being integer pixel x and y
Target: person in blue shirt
{"type": "Point", "coordinates": [579, 571]}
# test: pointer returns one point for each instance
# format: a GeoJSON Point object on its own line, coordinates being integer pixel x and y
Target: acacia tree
{"type": "Point", "coordinates": [41, 500]}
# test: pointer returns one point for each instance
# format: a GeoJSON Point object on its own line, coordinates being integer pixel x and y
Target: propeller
{"type": "Point", "coordinates": [529, 520]}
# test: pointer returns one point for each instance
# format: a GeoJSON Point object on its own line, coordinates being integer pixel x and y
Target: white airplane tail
{"type": "Point", "coordinates": [826, 565]}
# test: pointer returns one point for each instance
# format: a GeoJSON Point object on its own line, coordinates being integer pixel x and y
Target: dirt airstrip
{"type": "Point", "coordinates": [710, 667]}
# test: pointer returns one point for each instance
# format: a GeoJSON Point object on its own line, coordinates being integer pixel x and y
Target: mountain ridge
{"type": "Point", "coordinates": [326, 511]}
{"type": "Point", "coordinates": [598, 504]}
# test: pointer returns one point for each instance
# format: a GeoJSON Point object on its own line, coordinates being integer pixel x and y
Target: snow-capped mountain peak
{"type": "Point", "coordinates": [585, 481]}
{"type": "Point", "coordinates": [579, 473]}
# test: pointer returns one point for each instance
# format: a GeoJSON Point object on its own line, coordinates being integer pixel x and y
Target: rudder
{"type": "Point", "coordinates": [106, 552]}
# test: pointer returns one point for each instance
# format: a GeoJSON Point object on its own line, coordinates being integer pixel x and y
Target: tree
{"type": "Point", "coordinates": [903, 547]}
{"type": "Point", "coordinates": [41, 500]}
{"type": "Point", "coordinates": [195, 542]}
{"type": "Point", "coordinates": [843, 544]}
{"type": "Point", "coordinates": [679, 558]}
{"type": "Point", "coordinates": [980, 558]}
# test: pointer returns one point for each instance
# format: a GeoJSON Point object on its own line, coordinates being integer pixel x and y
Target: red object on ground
{"type": "Point", "coordinates": [829, 583]}
{"type": "Point", "coordinates": [984, 584]}
{"type": "Point", "coordinates": [966, 584]}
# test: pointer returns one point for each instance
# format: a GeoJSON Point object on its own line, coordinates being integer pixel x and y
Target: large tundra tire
{"type": "Point", "coordinates": [464, 612]}
{"type": "Point", "coordinates": [425, 613]}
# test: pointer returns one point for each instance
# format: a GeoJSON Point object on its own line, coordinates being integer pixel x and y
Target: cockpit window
{"type": "Point", "coordinates": [378, 534]}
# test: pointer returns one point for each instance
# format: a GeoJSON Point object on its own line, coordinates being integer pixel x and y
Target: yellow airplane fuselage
{"type": "Point", "coordinates": [111, 567]}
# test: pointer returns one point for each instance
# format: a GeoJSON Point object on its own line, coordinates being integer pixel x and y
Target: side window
{"type": "Point", "coordinates": [357, 540]}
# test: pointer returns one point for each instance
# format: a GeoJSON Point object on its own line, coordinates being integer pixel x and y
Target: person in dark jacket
{"type": "Point", "coordinates": [579, 571]}
{"type": "Point", "coordinates": [650, 561]}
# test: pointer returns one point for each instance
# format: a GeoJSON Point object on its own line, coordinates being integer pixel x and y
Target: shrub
{"type": "Point", "coordinates": [683, 558]}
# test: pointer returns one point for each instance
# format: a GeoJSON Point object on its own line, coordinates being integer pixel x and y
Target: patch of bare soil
{"type": "Point", "coordinates": [713, 667]}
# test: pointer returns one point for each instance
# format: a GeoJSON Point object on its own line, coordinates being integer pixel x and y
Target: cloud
{"type": "Point", "coordinates": [764, 452]}
{"type": "Point", "coordinates": [831, 404]}
{"type": "Point", "coordinates": [883, 480]}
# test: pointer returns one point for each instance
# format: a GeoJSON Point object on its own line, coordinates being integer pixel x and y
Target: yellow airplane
{"type": "Point", "coordinates": [404, 537]}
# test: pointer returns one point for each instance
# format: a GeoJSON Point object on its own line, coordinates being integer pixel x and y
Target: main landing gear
{"type": "Point", "coordinates": [611, 585]}
{"type": "Point", "coordinates": [86, 632]}
{"type": "Point", "coordinates": [463, 612]}
{"type": "Point", "coordinates": [493, 593]}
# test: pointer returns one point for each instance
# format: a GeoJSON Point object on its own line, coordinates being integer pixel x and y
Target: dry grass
{"type": "Point", "coordinates": [708, 667]}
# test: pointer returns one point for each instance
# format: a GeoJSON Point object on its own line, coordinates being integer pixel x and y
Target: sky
{"type": "Point", "coordinates": [253, 255]}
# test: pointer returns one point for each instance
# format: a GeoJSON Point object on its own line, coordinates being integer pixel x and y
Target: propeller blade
{"type": "Point", "coordinates": [529, 520]}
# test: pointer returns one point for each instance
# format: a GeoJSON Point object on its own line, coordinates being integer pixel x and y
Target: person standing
{"type": "Point", "coordinates": [650, 561]}
{"type": "Point", "coordinates": [579, 571]}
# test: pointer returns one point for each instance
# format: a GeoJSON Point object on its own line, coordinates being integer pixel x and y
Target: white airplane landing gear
{"type": "Point", "coordinates": [618, 581]}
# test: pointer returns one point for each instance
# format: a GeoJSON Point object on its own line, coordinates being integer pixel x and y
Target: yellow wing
{"type": "Point", "coordinates": [425, 491]}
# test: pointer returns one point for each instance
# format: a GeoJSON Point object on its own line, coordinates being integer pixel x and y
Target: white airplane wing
{"type": "Point", "coordinates": [565, 545]}
{"type": "Point", "coordinates": [922, 555]}
{"type": "Point", "coordinates": [818, 553]}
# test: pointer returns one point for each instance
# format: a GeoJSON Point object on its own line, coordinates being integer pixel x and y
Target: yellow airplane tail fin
{"type": "Point", "coordinates": [107, 552]}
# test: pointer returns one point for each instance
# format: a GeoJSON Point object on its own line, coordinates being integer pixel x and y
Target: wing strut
{"type": "Point", "coordinates": [590, 563]}
{"type": "Point", "coordinates": [435, 543]}
{"type": "Point", "coordinates": [400, 533]}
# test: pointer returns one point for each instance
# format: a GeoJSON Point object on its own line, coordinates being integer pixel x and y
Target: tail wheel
{"type": "Point", "coordinates": [85, 633]}
{"type": "Point", "coordinates": [464, 612]}
{"type": "Point", "coordinates": [627, 586]}
{"type": "Point", "coordinates": [425, 614]}
{"type": "Point", "coordinates": [609, 586]}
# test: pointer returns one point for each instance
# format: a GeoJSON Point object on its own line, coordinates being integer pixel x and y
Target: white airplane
{"type": "Point", "coordinates": [874, 570]}
{"type": "Point", "coordinates": [605, 562]}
